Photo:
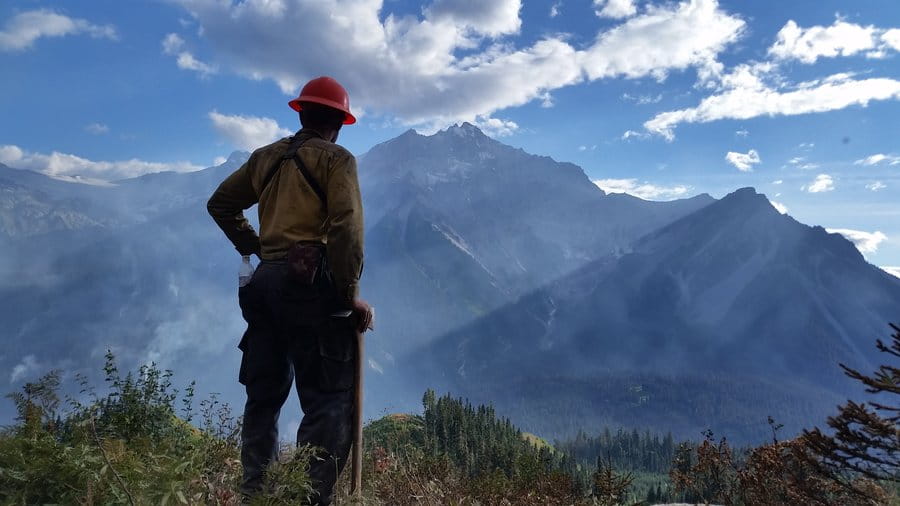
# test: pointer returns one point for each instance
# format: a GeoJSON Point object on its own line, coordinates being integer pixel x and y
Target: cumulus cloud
{"type": "Point", "coordinates": [840, 39]}
{"type": "Point", "coordinates": [894, 271]}
{"type": "Point", "coordinates": [615, 8]}
{"type": "Point", "coordinates": [756, 89]}
{"type": "Point", "coordinates": [877, 185]}
{"type": "Point", "coordinates": [374, 55]}
{"type": "Point", "coordinates": [866, 242]}
{"type": "Point", "coordinates": [783, 209]}
{"type": "Point", "coordinates": [496, 127]}
{"type": "Point", "coordinates": [879, 158]}
{"type": "Point", "coordinates": [77, 169]}
{"type": "Point", "coordinates": [743, 161]}
{"type": "Point", "coordinates": [493, 18]}
{"type": "Point", "coordinates": [23, 29]}
{"type": "Point", "coordinates": [892, 38]}
{"type": "Point", "coordinates": [746, 96]}
{"type": "Point", "coordinates": [822, 183]}
{"type": "Point", "coordinates": [645, 190]}
{"type": "Point", "coordinates": [664, 38]}
{"type": "Point", "coordinates": [247, 132]}
{"type": "Point", "coordinates": [173, 45]}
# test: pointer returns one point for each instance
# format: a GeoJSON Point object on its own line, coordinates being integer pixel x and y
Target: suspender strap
{"type": "Point", "coordinates": [310, 179]}
{"type": "Point", "coordinates": [291, 153]}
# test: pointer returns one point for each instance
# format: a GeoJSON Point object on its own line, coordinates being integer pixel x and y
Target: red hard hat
{"type": "Point", "coordinates": [326, 91]}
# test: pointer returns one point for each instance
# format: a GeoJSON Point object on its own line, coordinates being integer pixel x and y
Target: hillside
{"type": "Point", "coordinates": [499, 275]}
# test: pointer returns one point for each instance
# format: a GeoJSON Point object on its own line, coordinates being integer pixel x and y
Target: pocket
{"type": "Point", "coordinates": [242, 372]}
{"type": "Point", "coordinates": [337, 348]}
{"type": "Point", "coordinates": [306, 262]}
{"type": "Point", "coordinates": [248, 303]}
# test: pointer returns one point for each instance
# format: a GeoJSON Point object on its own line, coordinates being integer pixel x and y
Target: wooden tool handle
{"type": "Point", "coordinates": [356, 483]}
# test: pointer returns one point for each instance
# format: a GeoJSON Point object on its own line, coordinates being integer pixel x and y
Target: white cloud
{"type": "Point", "coordinates": [783, 209]}
{"type": "Point", "coordinates": [10, 154]}
{"type": "Point", "coordinates": [493, 18]}
{"type": "Point", "coordinates": [77, 169]}
{"type": "Point", "coordinates": [895, 271]}
{"type": "Point", "coordinates": [747, 96]}
{"type": "Point", "coordinates": [866, 242]}
{"type": "Point", "coordinates": [615, 8]}
{"type": "Point", "coordinates": [375, 54]}
{"type": "Point", "coordinates": [778, 181]}
{"type": "Point", "coordinates": [743, 161]}
{"type": "Point", "coordinates": [23, 29]}
{"type": "Point", "coordinates": [247, 132]}
{"type": "Point", "coordinates": [742, 132]}
{"type": "Point", "coordinates": [96, 128]}
{"type": "Point", "coordinates": [801, 163]}
{"type": "Point", "coordinates": [664, 38]}
{"type": "Point", "coordinates": [555, 8]}
{"type": "Point", "coordinates": [822, 183]}
{"type": "Point", "coordinates": [891, 38]}
{"type": "Point", "coordinates": [808, 44]}
{"type": "Point", "coordinates": [186, 61]}
{"type": "Point", "coordinates": [219, 160]}
{"type": "Point", "coordinates": [877, 185]}
{"type": "Point", "coordinates": [840, 39]}
{"type": "Point", "coordinates": [173, 45]}
{"type": "Point", "coordinates": [496, 127]}
{"type": "Point", "coordinates": [642, 99]}
{"type": "Point", "coordinates": [878, 158]}
{"type": "Point", "coordinates": [28, 365]}
{"type": "Point", "coordinates": [631, 133]}
{"type": "Point", "coordinates": [643, 190]}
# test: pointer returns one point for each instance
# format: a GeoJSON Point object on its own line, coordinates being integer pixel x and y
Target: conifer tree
{"type": "Point", "coordinates": [866, 437]}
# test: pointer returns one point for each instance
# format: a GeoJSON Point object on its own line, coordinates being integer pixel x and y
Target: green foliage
{"type": "Point", "coordinates": [130, 447]}
{"type": "Point", "coordinates": [287, 480]}
{"type": "Point", "coordinates": [626, 450]}
{"type": "Point", "coordinates": [610, 487]}
{"type": "Point", "coordinates": [127, 447]}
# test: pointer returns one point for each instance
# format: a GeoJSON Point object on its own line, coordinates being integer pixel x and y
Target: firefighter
{"type": "Point", "coordinates": [302, 303]}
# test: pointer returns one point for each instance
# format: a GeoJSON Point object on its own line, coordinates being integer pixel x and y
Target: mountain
{"type": "Point", "coordinates": [731, 310]}
{"type": "Point", "coordinates": [498, 274]}
{"type": "Point", "coordinates": [31, 204]}
{"type": "Point", "coordinates": [466, 224]}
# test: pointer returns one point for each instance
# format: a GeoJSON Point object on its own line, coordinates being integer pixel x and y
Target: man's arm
{"type": "Point", "coordinates": [227, 205]}
{"type": "Point", "coordinates": [345, 228]}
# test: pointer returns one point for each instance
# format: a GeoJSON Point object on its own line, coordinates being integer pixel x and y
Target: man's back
{"type": "Point", "coordinates": [289, 209]}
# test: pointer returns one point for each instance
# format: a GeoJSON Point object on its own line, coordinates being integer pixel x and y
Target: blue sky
{"type": "Point", "coordinates": [661, 99]}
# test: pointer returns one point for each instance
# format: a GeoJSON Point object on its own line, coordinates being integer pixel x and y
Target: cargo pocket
{"type": "Point", "coordinates": [302, 305]}
{"type": "Point", "coordinates": [242, 374]}
{"type": "Point", "coordinates": [337, 347]}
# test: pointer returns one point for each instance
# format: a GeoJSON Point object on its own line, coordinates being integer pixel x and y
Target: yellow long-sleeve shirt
{"type": "Point", "coordinates": [290, 211]}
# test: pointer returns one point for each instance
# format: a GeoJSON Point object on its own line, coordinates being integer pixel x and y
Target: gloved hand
{"type": "Point", "coordinates": [365, 315]}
